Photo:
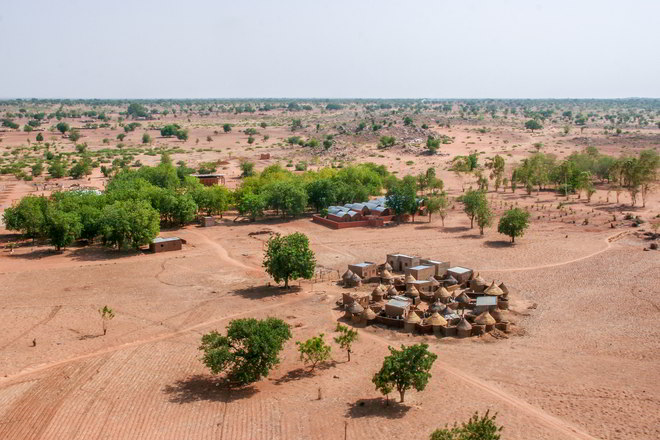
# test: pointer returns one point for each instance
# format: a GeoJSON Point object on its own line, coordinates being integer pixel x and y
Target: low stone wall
{"type": "Point", "coordinates": [370, 221]}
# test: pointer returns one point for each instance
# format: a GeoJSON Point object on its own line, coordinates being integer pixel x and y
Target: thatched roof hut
{"type": "Point", "coordinates": [368, 314]}
{"type": "Point", "coordinates": [433, 281]}
{"type": "Point", "coordinates": [437, 307]}
{"type": "Point", "coordinates": [494, 290]}
{"type": "Point", "coordinates": [387, 275]}
{"type": "Point", "coordinates": [485, 319]}
{"type": "Point", "coordinates": [410, 279]}
{"type": "Point", "coordinates": [442, 293]}
{"type": "Point", "coordinates": [462, 298]}
{"type": "Point", "coordinates": [413, 318]}
{"type": "Point", "coordinates": [387, 266]}
{"type": "Point", "coordinates": [355, 308]}
{"type": "Point", "coordinates": [464, 325]}
{"type": "Point", "coordinates": [503, 288]}
{"type": "Point", "coordinates": [412, 291]}
{"type": "Point", "coordinates": [347, 275]}
{"type": "Point", "coordinates": [497, 315]}
{"type": "Point", "coordinates": [392, 291]}
{"type": "Point", "coordinates": [436, 319]}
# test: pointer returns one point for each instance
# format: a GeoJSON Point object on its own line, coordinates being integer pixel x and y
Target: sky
{"type": "Point", "coordinates": [329, 49]}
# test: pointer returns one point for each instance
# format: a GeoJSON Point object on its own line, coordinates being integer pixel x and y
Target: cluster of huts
{"type": "Point", "coordinates": [425, 296]}
{"type": "Point", "coordinates": [358, 211]}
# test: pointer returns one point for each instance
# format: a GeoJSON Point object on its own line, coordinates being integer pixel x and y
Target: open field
{"type": "Point", "coordinates": [582, 363]}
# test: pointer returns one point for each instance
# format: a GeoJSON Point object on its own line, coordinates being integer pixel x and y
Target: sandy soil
{"type": "Point", "coordinates": [582, 363]}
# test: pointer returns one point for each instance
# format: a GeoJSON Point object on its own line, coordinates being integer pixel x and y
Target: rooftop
{"type": "Point", "coordinates": [164, 239]}
{"type": "Point", "coordinates": [486, 301]}
{"type": "Point", "coordinates": [459, 269]}
{"type": "Point", "coordinates": [421, 267]}
{"type": "Point", "coordinates": [364, 264]}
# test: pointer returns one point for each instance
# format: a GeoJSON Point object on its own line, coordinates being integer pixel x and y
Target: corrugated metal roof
{"type": "Point", "coordinates": [397, 303]}
{"type": "Point", "coordinates": [458, 269]}
{"type": "Point", "coordinates": [486, 301]}
{"type": "Point", "coordinates": [421, 267]}
{"type": "Point", "coordinates": [164, 239]}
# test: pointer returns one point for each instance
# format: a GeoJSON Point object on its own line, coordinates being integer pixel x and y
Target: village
{"type": "Point", "coordinates": [424, 296]}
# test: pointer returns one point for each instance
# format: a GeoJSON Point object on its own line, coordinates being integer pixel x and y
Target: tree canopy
{"type": "Point", "coordinates": [289, 258]}
{"type": "Point", "coordinates": [405, 369]}
{"type": "Point", "coordinates": [513, 223]}
{"type": "Point", "coordinates": [249, 350]}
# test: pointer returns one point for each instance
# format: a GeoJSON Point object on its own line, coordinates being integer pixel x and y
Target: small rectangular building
{"type": "Point", "coordinates": [166, 244]}
{"type": "Point", "coordinates": [365, 270]}
{"type": "Point", "coordinates": [462, 274]}
{"type": "Point", "coordinates": [400, 262]}
{"type": "Point", "coordinates": [440, 266]}
{"type": "Point", "coordinates": [210, 179]}
{"type": "Point", "coordinates": [208, 221]}
{"type": "Point", "coordinates": [485, 303]}
{"type": "Point", "coordinates": [421, 272]}
{"type": "Point", "coordinates": [397, 306]}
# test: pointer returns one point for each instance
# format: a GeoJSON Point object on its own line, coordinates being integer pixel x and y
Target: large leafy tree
{"type": "Point", "coordinates": [477, 428]}
{"type": "Point", "coordinates": [405, 369]}
{"type": "Point", "coordinates": [533, 124]}
{"type": "Point", "coordinates": [62, 228]}
{"type": "Point", "coordinates": [287, 196]}
{"type": "Point", "coordinates": [402, 196]}
{"type": "Point", "coordinates": [513, 223]}
{"type": "Point", "coordinates": [249, 350]}
{"type": "Point", "coordinates": [347, 336]}
{"type": "Point", "coordinates": [289, 258]}
{"type": "Point", "coordinates": [322, 193]}
{"type": "Point", "coordinates": [251, 205]}
{"type": "Point", "coordinates": [28, 216]}
{"type": "Point", "coordinates": [484, 217]}
{"type": "Point", "coordinates": [473, 201]}
{"type": "Point", "coordinates": [130, 222]}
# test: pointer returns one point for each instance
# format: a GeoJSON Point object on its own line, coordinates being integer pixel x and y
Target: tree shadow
{"type": "Point", "coordinates": [85, 337]}
{"type": "Point", "coordinates": [376, 407]}
{"type": "Point", "coordinates": [198, 388]}
{"type": "Point", "coordinates": [261, 292]}
{"type": "Point", "coordinates": [497, 244]}
{"type": "Point", "coordinates": [100, 253]}
{"type": "Point", "coordinates": [425, 227]}
{"type": "Point", "coordinates": [37, 254]}
{"type": "Point", "coordinates": [476, 235]}
{"type": "Point", "coordinates": [304, 372]}
{"type": "Point", "coordinates": [455, 229]}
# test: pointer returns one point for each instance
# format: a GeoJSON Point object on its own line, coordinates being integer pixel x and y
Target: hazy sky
{"type": "Point", "coordinates": [333, 48]}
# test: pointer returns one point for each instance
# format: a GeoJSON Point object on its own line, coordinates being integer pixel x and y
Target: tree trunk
{"type": "Point", "coordinates": [429, 217]}
{"type": "Point", "coordinates": [402, 393]}
{"type": "Point", "coordinates": [513, 239]}
{"type": "Point", "coordinates": [349, 355]}
{"type": "Point", "coordinates": [471, 222]}
{"type": "Point", "coordinates": [286, 282]}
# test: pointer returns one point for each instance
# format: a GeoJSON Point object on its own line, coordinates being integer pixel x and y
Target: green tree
{"type": "Point", "coordinates": [289, 258]}
{"type": "Point", "coordinates": [484, 217]}
{"type": "Point", "coordinates": [106, 314]}
{"type": "Point", "coordinates": [314, 350]}
{"type": "Point", "coordinates": [472, 201]}
{"type": "Point", "coordinates": [251, 205]}
{"type": "Point", "coordinates": [62, 228]}
{"type": "Point", "coordinates": [62, 127]}
{"type": "Point", "coordinates": [137, 110]}
{"type": "Point", "coordinates": [405, 369]}
{"type": "Point", "coordinates": [533, 124]}
{"type": "Point", "coordinates": [321, 193]}
{"type": "Point", "coordinates": [146, 138]}
{"type": "Point", "coordinates": [477, 428]}
{"type": "Point", "coordinates": [28, 216]}
{"type": "Point", "coordinates": [170, 130]}
{"type": "Point", "coordinates": [432, 144]}
{"type": "Point", "coordinates": [346, 338]}
{"type": "Point", "coordinates": [402, 197]}
{"type": "Point", "coordinates": [81, 169]}
{"type": "Point", "coordinates": [212, 199]}
{"type": "Point", "coordinates": [288, 197]}
{"type": "Point", "coordinates": [513, 223]}
{"type": "Point", "coordinates": [40, 137]}
{"type": "Point", "coordinates": [74, 135]}
{"type": "Point", "coordinates": [386, 141]}
{"type": "Point", "coordinates": [247, 168]}
{"type": "Point", "coordinates": [226, 128]}
{"type": "Point", "coordinates": [132, 222]}
{"type": "Point", "coordinates": [249, 350]}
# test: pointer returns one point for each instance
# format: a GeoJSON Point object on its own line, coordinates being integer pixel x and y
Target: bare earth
{"type": "Point", "coordinates": [582, 364]}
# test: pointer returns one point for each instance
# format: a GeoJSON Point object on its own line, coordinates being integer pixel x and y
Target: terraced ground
{"type": "Point", "coordinates": [582, 366]}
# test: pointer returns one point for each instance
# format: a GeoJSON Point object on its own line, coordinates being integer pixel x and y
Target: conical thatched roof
{"type": "Point", "coordinates": [493, 290]}
{"type": "Point", "coordinates": [497, 315]}
{"type": "Point", "coordinates": [450, 280]}
{"type": "Point", "coordinates": [387, 266]}
{"type": "Point", "coordinates": [464, 325]}
{"type": "Point", "coordinates": [463, 298]}
{"type": "Point", "coordinates": [442, 293]}
{"type": "Point", "coordinates": [412, 291]}
{"type": "Point", "coordinates": [347, 275]}
{"type": "Point", "coordinates": [392, 291]}
{"type": "Point", "coordinates": [356, 278]}
{"type": "Point", "coordinates": [355, 308]}
{"type": "Point", "coordinates": [479, 281]}
{"type": "Point", "coordinates": [485, 319]}
{"type": "Point", "coordinates": [368, 314]}
{"type": "Point", "coordinates": [448, 311]}
{"type": "Point", "coordinates": [437, 307]}
{"type": "Point", "coordinates": [436, 319]}
{"type": "Point", "coordinates": [413, 318]}
{"type": "Point", "coordinates": [434, 282]}
{"type": "Point", "coordinates": [503, 288]}
{"type": "Point", "coordinates": [378, 290]}
{"type": "Point", "coordinates": [387, 275]}
{"type": "Point", "coordinates": [410, 279]}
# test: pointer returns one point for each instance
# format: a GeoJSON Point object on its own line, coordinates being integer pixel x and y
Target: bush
{"type": "Point", "coordinates": [477, 428]}
{"type": "Point", "coordinates": [314, 350]}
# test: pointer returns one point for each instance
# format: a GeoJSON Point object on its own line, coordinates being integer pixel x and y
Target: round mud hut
{"type": "Point", "coordinates": [464, 328]}
{"type": "Point", "coordinates": [411, 321]}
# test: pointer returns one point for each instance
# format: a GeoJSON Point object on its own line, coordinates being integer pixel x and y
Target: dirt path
{"type": "Point", "coordinates": [222, 252]}
{"type": "Point", "coordinates": [547, 419]}
{"type": "Point", "coordinates": [30, 370]}
{"type": "Point", "coordinates": [608, 244]}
